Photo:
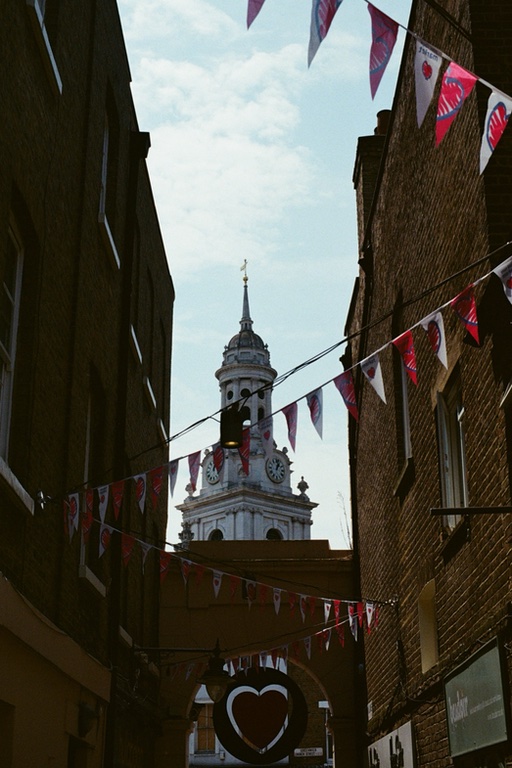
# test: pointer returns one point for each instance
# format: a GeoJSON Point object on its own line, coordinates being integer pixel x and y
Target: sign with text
{"type": "Point", "coordinates": [475, 702]}
{"type": "Point", "coordinates": [308, 752]}
{"type": "Point", "coordinates": [396, 750]}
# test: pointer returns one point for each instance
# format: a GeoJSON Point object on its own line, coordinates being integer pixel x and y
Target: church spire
{"type": "Point", "coordinates": [246, 321]}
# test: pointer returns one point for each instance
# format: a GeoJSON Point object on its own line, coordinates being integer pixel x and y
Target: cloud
{"type": "Point", "coordinates": [156, 20]}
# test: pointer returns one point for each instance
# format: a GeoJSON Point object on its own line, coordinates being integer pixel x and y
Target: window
{"type": "Point", "coordinates": [205, 732]}
{"type": "Point", "coordinates": [273, 534]}
{"type": "Point", "coordinates": [107, 206]}
{"type": "Point", "coordinates": [10, 292]}
{"type": "Point", "coordinates": [452, 457]}
{"type": "Point", "coordinates": [216, 535]}
{"type": "Point", "coordinates": [428, 626]}
{"type": "Point", "coordinates": [44, 19]}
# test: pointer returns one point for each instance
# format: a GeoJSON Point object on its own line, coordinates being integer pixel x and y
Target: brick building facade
{"type": "Point", "coordinates": [85, 343]}
{"type": "Point", "coordinates": [430, 225]}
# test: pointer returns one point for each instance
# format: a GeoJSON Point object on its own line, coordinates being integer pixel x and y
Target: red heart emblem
{"type": "Point", "coordinates": [434, 335]}
{"type": "Point", "coordinates": [371, 373]}
{"type": "Point", "coordinates": [260, 716]}
{"type": "Point", "coordinates": [266, 435]}
{"type": "Point", "coordinates": [426, 70]}
{"type": "Point", "coordinates": [452, 98]}
{"type": "Point", "coordinates": [496, 124]}
{"type": "Point", "coordinates": [509, 282]}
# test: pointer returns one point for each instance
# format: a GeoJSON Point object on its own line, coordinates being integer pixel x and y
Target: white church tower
{"type": "Point", "coordinates": [231, 504]}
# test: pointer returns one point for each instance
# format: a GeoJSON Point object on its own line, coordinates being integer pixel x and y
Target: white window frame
{"type": "Point", "coordinates": [452, 452]}
{"type": "Point", "coordinates": [37, 11]}
{"type": "Point", "coordinates": [108, 237]}
{"type": "Point", "coordinates": [8, 356]}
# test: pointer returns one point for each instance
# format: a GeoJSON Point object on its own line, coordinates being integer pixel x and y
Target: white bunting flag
{"type": "Point", "coordinates": [496, 119]}
{"type": "Point", "coordinates": [73, 513]}
{"type": "Point", "coordinates": [352, 619]}
{"type": "Point", "coordinates": [307, 646]}
{"type": "Point", "coordinates": [277, 599]}
{"type": "Point", "coordinates": [434, 327]}
{"type": "Point", "coordinates": [303, 604]}
{"type": "Point", "coordinates": [263, 659]}
{"type": "Point", "coordinates": [327, 638]}
{"type": "Point", "coordinates": [315, 405]}
{"type": "Point", "coordinates": [504, 272]}
{"type": "Point", "coordinates": [427, 63]}
{"type": "Point", "coordinates": [217, 581]}
{"type": "Point", "coordinates": [145, 547]}
{"type": "Point", "coordinates": [373, 372]}
{"type": "Point", "coordinates": [103, 501]}
{"type": "Point", "coordinates": [105, 536]}
{"type": "Point", "coordinates": [327, 610]}
{"type": "Point", "coordinates": [370, 610]}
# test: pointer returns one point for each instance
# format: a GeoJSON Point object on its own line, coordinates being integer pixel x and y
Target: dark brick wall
{"type": "Point", "coordinates": [77, 307]}
{"type": "Point", "coordinates": [433, 216]}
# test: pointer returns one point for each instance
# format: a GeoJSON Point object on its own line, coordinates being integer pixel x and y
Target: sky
{"type": "Point", "coordinates": [252, 155]}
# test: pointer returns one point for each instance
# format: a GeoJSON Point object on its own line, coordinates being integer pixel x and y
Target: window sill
{"type": "Point", "coordinates": [405, 479]}
{"type": "Point", "coordinates": [456, 539]}
{"type": "Point", "coordinates": [15, 489]}
{"type": "Point", "coordinates": [45, 47]}
{"type": "Point", "coordinates": [134, 344]}
{"type": "Point", "coordinates": [150, 395]}
{"type": "Point", "coordinates": [108, 240]}
{"type": "Point", "coordinates": [84, 572]}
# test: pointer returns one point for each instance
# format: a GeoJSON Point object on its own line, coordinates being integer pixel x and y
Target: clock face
{"type": "Point", "coordinates": [212, 474]}
{"type": "Point", "coordinates": [275, 469]}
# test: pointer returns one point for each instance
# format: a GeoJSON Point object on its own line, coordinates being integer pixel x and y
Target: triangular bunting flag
{"type": "Point", "coordinates": [456, 86]}
{"type": "Point", "coordinates": [373, 372]}
{"type": "Point", "coordinates": [496, 119]}
{"type": "Point", "coordinates": [73, 510]}
{"type": "Point", "coordinates": [265, 428]}
{"type": "Point", "coordinates": [434, 326]}
{"type": "Point", "coordinates": [327, 610]}
{"type": "Point", "coordinates": [140, 491]}
{"type": "Point", "coordinates": [251, 589]}
{"type": "Point", "coordinates": [312, 605]}
{"type": "Point", "coordinates": [263, 659]}
{"type": "Point", "coordinates": [244, 450]}
{"type": "Point", "coordinates": [274, 653]}
{"type": "Point", "coordinates": [295, 649]}
{"type": "Point", "coordinates": [292, 601]}
{"type": "Point", "coordinates": [344, 383]}
{"type": "Point", "coordinates": [405, 346]}
{"type": "Point", "coordinates": [165, 562]}
{"type": "Point", "coordinates": [290, 414]}
{"type": "Point", "coordinates": [303, 602]}
{"type": "Point", "coordinates": [155, 485]}
{"type": "Point", "coordinates": [234, 581]}
{"type": "Point", "coordinates": [145, 547]}
{"type": "Point", "coordinates": [263, 594]}
{"type": "Point", "coordinates": [307, 646]}
{"type": "Point", "coordinates": [105, 536]}
{"type": "Point", "coordinates": [340, 631]}
{"type": "Point", "coordinates": [370, 610]}
{"type": "Point", "coordinates": [360, 613]}
{"type": "Point", "coordinates": [127, 544]}
{"type": "Point", "coordinates": [103, 501]}
{"type": "Point", "coordinates": [253, 8]}
{"type": "Point", "coordinates": [464, 306]}
{"type": "Point", "coordinates": [322, 14]}
{"type": "Point", "coordinates": [327, 638]}
{"type": "Point", "coordinates": [504, 272]}
{"type": "Point", "coordinates": [352, 618]}
{"type": "Point", "coordinates": [194, 461]}
{"type": "Point", "coordinates": [315, 405]}
{"type": "Point", "coordinates": [173, 474]}
{"type": "Point", "coordinates": [337, 608]}
{"type": "Point", "coordinates": [427, 64]}
{"type": "Point", "coordinates": [218, 457]}
{"type": "Point", "coordinates": [185, 566]}
{"type": "Point", "coordinates": [217, 581]}
{"type": "Point", "coordinates": [276, 596]}
{"type": "Point", "coordinates": [87, 516]}
{"type": "Point", "coordinates": [117, 496]}
{"type": "Point", "coordinates": [384, 34]}
{"type": "Point", "coordinates": [200, 569]}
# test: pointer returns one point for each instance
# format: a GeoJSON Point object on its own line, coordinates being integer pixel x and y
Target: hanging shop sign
{"type": "Point", "coordinates": [476, 712]}
{"type": "Point", "coordinates": [394, 750]}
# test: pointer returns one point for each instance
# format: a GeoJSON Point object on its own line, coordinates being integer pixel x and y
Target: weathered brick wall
{"type": "Point", "coordinates": [434, 216]}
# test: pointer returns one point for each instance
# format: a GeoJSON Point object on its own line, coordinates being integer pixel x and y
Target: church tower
{"type": "Point", "coordinates": [261, 504]}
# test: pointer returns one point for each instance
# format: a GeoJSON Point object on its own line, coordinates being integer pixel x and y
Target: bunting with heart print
{"type": "Point", "coordinates": [427, 63]}
{"type": "Point", "coordinates": [373, 373]}
{"type": "Point", "coordinates": [456, 86]}
{"type": "Point", "coordinates": [384, 35]}
{"type": "Point", "coordinates": [498, 112]}
{"type": "Point", "coordinates": [316, 411]}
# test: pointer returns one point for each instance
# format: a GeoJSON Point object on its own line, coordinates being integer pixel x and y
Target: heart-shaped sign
{"type": "Point", "coordinates": [426, 70]}
{"type": "Point", "coordinates": [262, 717]}
{"type": "Point", "coordinates": [371, 372]}
{"type": "Point", "coordinates": [496, 124]}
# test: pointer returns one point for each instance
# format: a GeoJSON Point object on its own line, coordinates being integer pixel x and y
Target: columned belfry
{"type": "Point", "coordinates": [261, 504]}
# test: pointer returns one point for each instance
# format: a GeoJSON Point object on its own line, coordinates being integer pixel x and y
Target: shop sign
{"type": "Point", "coordinates": [308, 752]}
{"type": "Point", "coordinates": [475, 702]}
{"type": "Point", "coordinates": [396, 750]}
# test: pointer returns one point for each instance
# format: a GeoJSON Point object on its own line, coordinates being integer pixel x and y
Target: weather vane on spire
{"type": "Point", "coordinates": [243, 269]}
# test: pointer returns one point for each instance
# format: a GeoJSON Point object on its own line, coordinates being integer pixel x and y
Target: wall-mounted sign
{"type": "Point", "coordinates": [475, 702]}
{"type": "Point", "coordinates": [396, 750]}
{"type": "Point", "coordinates": [308, 752]}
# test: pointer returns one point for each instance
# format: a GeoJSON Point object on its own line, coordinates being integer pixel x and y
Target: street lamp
{"type": "Point", "coordinates": [215, 678]}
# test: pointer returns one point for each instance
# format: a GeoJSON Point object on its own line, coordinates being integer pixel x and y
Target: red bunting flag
{"type": "Point", "coordinates": [244, 450]}
{"type": "Point", "coordinates": [384, 34]}
{"type": "Point", "coordinates": [290, 413]}
{"type": "Point", "coordinates": [127, 545]}
{"type": "Point", "coordinates": [117, 497]}
{"type": "Point", "coordinates": [185, 569]}
{"type": "Point", "coordinates": [456, 86]}
{"type": "Point", "coordinates": [218, 457]}
{"type": "Point", "coordinates": [155, 485]}
{"type": "Point", "coordinates": [315, 405]}
{"type": "Point", "coordinates": [173, 474]}
{"type": "Point", "coordinates": [200, 569]}
{"type": "Point", "coordinates": [140, 491]}
{"type": "Point", "coordinates": [253, 8]}
{"type": "Point", "coordinates": [344, 383]}
{"type": "Point", "coordinates": [340, 631]}
{"type": "Point", "coordinates": [194, 461]}
{"type": "Point", "coordinates": [464, 306]}
{"type": "Point", "coordinates": [87, 516]}
{"type": "Point", "coordinates": [337, 608]}
{"type": "Point", "coordinates": [322, 14]}
{"type": "Point", "coordinates": [292, 601]}
{"type": "Point", "coordinates": [405, 346]}
{"type": "Point", "coordinates": [496, 119]}
{"type": "Point", "coordinates": [165, 562]}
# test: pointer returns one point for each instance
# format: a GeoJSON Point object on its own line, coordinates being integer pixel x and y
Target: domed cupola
{"type": "Point", "coordinates": [246, 369]}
